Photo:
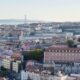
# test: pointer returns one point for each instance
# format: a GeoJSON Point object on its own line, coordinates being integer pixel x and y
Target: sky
{"type": "Point", "coordinates": [47, 10]}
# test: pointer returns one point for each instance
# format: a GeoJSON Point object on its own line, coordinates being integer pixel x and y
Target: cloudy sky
{"type": "Point", "coordinates": [49, 10]}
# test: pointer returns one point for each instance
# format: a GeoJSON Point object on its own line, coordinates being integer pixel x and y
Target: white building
{"type": "Point", "coordinates": [6, 63]}
{"type": "Point", "coordinates": [10, 64]}
{"type": "Point", "coordinates": [15, 66]}
{"type": "Point", "coordinates": [40, 76]}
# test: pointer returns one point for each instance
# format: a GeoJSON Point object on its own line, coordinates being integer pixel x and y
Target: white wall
{"type": "Point", "coordinates": [36, 76]}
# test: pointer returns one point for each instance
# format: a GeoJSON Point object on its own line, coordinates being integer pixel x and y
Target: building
{"type": "Point", "coordinates": [16, 56]}
{"type": "Point", "coordinates": [6, 63]}
{"type": "Point", "coordinates": [42, 76]}
{"type": "Point", "coordinates": [11, 64]}
{"type": "Point", "coordinates": [3, 78]}
{"type": "Point", "coordinates": [61, 53]}
{"type": "Point", "coordinates": [16, 66]}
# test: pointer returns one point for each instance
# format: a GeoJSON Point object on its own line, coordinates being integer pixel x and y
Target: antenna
{"type": "Point", "coordinates": [25, 18]}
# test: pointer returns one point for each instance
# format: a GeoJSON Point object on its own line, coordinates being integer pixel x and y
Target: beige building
{"type": "Point", "coordinates": [6, 63]}
{"type": "Point", "coordinates": [11, 64]}
{"type": "Point", "coordinates": [16, 66]}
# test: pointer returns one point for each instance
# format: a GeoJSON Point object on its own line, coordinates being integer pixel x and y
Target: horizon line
{"type": "Point", "coordinates": [39, 20]}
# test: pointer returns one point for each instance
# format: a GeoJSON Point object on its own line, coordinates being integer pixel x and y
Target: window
{"type": "Point", "coordinates": [76, 51]}
{"type": "Point", "coordinates": [49, 50]}
{"type": "Point", "coordinates": [68, 50]}
{"type": "Point", "coordinates": [56, 50]}
{"type": "Point", "coordinates": [59, 50]}
{"type": "Point", "coordinates": [62, 50]}
{"type": "Point", "coordinates": [73, 51]}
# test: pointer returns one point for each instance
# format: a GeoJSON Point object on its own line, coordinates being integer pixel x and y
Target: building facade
{"type": "Point", "coordinates": [6, 63]}
{"type": "Point", "coordinates": [62, 54]}
{"type": "Point", "coordinates": [41, 76]}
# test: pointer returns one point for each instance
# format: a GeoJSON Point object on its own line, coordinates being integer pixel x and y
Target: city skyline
{"type": "Point", "coordinates": [46, 10]}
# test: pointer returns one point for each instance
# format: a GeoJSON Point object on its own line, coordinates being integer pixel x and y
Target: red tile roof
{"type": "Point", "coordinates": [16, 56]}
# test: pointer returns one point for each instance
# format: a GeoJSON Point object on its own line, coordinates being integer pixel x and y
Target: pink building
{"type": "Point", "coordinates": [61, 54]}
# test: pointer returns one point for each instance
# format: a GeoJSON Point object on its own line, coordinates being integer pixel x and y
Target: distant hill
{"type": "Point", "coordinates": [16, 21]}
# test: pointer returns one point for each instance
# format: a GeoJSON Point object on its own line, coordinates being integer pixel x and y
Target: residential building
{"type": "Point", "coordinates": [16, 66]}
{"type": "Point", "coordinates": [41, 76]}
{"type": "Point", "coordinates": [6, 63]}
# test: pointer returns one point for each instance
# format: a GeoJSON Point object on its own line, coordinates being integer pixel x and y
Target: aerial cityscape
{"type": "Point", "coordinates": [40, 40]}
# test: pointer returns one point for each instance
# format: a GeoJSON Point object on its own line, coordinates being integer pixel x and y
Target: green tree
{"type": "Point", "coordinates": [3, 72]}
{"type": "Point", "coordinates": [33, 55]}
{"type": "Point", "coordinates": [70, 43]}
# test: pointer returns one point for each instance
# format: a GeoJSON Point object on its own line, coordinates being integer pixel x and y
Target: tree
{"type": "Point", "coordinates": [10, 35]}
{"type": "Point", "coordinates": [3, 69]}
{"type": "Point", "coordinates": [33, 55]}
{"type": "Point", "coordinates": [3, 72]}
{"type": "Point", "coordinates": [29, 78]}
{"type": "Point", "coordinates": [70, 43]}
{"type": "Point", "coordinates": [78, 39]}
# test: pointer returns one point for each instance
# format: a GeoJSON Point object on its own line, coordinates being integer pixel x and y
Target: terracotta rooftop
{"type": "Point", "coordinates": [16, 55]}
{"type": "Point", "coordinates": [61, 47]}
